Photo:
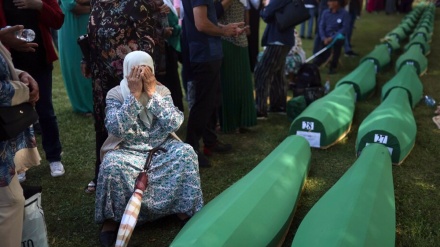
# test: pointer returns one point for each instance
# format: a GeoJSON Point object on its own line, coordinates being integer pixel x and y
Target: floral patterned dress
{"type": "Point", "coordinates": [173, 177]}
{"type": "Point", "coordinates": [117, 27]}
{"type": "Point", "coordinates": [24, 140]}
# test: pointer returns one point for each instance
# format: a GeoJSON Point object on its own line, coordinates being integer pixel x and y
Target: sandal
{"type": "Point", "coordinates": [436, 120]}
{"type": "Point", "coordinates": [437, 111]}
{"type": "Point", "coordinates": [90, 188]}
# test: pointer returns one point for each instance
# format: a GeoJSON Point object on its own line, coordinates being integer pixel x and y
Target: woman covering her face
{"type": "Point", "coordinates": [140, 115]}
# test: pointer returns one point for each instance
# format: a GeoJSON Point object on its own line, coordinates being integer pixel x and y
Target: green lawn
{"type": "Point", "coordinates": [69, 212]}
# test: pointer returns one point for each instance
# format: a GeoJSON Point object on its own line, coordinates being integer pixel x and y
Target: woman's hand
{"type": "Point", "coordinates": [9, 38]}
{"type": "Point", "coordinates": [149, 81]}
{"type": "Point", "coordinates": [28, 4]}
{"type": "Point", "coordinates": [135, 82]}
{"type": "Point", "coordinates": [32, 85]}
{"type": "Point", "coordinates": [85, 69]}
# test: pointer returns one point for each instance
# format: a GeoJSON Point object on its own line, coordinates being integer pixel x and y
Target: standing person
{"type": "Point", "coordinates": [16, 87]}
{"type": "Point", "coordinates": [334, 20]}
{"type": "Point", "coordinates": [238, 108]}
{"type": "Point", "coordinates": [79, 88]}
{"type": "Point", "coordinates": [205, 50]}
{"type": "Point", "coordinates": [109, 42]}
{"type": "Point", "coordinates": [311, 6]}
{"type": "Point", "coordinates": [269, 73]}
{"type": "Point", "coordinates": [354, 10]}
{"type": "Point", "coordinates": [40, 16]}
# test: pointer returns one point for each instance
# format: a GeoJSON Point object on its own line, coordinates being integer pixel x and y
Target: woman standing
{"type": "Point", "coordinates": [117, 27]}
{"type": "Point", "coordinates": [79, 89]}
{"type": "Point", "coordinates": [238, 109]}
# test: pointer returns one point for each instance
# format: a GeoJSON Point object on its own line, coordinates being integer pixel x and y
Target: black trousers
{"type": "Point", "coordinates": [336, 48]}
{"type": "Point", "coordinates": [203, 114]}
{"type": "Point", "coordinates": [171, 78]}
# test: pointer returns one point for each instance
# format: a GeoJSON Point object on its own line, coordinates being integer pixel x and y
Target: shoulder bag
{"type": "Point", "coordinates": [15, 119]}
{"type": "Point", "coordinates": [292, 14]}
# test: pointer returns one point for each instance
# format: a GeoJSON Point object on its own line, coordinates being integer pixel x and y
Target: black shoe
{"type": "Point", "coordinates": [310, 37]}
{"type": "Point", "coordinates": [261, 116]}
{"type": "Point", "coordinates": [218, 147]}
{"type": "Point", "coordinates": [301, 36]}
{"type": "Point", "coordinates": [351, 54]}
{"type": "Point", "coordinates": [331, 71]}
{"type": "Point", "coordinates": [108, 238]}
{"type": "Point", "coordinates": [278, 110]}
{"type": "Point", "coordinates": [203, 161]}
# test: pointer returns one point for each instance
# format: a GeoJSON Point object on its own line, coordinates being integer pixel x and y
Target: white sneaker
{"type": "Point", "coordinates": [56, 169]}
{"type": "Point", "coordinates": [21, 177]}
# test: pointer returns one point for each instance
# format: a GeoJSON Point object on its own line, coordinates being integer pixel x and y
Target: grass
{"type": "Point", "coordinates": [69, 212]}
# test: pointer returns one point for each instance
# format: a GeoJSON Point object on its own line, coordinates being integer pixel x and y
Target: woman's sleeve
{"type": "Point", "coordinates": [268, 13]}
{"type": "Point", "coordinates": [168, 116]}
{"type": "Point", "coordinates": [121, 118]}
{"type": "Point", "coordinates": [51, 14]}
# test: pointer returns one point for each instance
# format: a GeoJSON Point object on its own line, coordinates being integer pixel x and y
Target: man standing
{"type": "Point", "coordinates": [205, 50]}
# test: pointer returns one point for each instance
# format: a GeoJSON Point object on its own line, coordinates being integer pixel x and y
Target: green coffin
{"type": "Point", "coordinates": [407, 26]}
{"type": "Point", "coordinates": [428, 27]}
{"type": "Point", "coordinates": [413, 56]}
{"type": "Point", "coordinates": [392, 43]}
{"type": "Point", "coordinates": [380, 56]}
{"type": "Point", "coordinates": [257, 209]}
{"type": "Point", "coordinates": [421, 42]}
{"type": "Point", "coordinates": [407, 79]}
{"type": "Point", "coordinates": [422, 32]}
{"type": "Point", "coordinates": [399, 32]}
{"type": "Point", "coordinates": [359, 210]}
{"type": "Point", "coordinates": [391, 124]}
{"type": "Point", "coordinates": [363, 79]}
{"type": "Point", "coordinates": [328, 119]}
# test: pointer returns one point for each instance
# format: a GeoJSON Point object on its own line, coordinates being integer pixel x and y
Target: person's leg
{"type": "Point", "coordinates": [206, 80]}
{"type": "Point", "coordinates": [347, 45]}
{"type": "Point", "coordinates": [11, 214]}
{"type": "Point", "coordinates": [48, 121]}
{"type": "Point", "coordinates": [302, 29]}
{"type": "Point", "coordinates": [171, 78]}
{"type": "Point", "coordinates": [278, 85]}
{"type": "Point", "coordinates": [323, 57]}
{"type": "Point", "coordinates": [264, 75]}
{"type": "Point", "coordinates": [337, 47]}
{"type": "Point", "coordinates": [310, 24]}
{"type": "Point", "coordinates": [253, 38]}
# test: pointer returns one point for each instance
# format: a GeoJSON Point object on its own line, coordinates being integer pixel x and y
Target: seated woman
{"type": "Point", "coordinates": [140, 115]}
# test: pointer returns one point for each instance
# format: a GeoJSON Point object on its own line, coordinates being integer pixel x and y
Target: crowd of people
{"type": "Point", "coordinates": [130, 84]}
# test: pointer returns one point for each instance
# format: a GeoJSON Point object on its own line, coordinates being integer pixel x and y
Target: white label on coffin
{"type": "Point", "coordinates": [390, 150]}
{"type": "Point", "coordinates": [314, 138]}
{"type": "Point", "coordinates": [380, 138]}
{"type": "Point", "coordinates": [308, 125]}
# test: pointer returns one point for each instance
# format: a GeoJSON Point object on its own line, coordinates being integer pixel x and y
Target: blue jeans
{"type": "Point", "coordinates": [48, 121]}
{"type": "Point", "coordinates": [310, 24]}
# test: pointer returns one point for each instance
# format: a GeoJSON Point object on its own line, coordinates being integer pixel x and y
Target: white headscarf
{"type": "Point", "coordinates": [136, 58]}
